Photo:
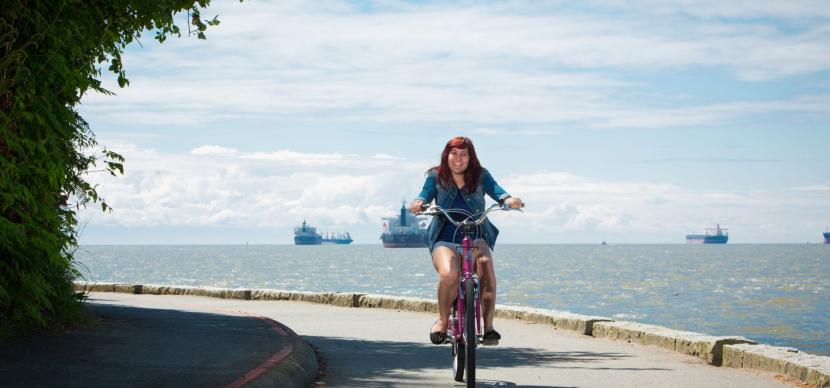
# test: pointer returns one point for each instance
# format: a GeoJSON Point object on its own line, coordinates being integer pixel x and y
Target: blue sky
{"type": "Point", "coordinates": [629, 122]}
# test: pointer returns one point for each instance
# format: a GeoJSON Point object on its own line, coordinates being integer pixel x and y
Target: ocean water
{"type": "Point", "coordinates": [774, 294]}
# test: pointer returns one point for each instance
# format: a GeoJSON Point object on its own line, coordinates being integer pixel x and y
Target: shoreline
{"type": "Point", "coordinates": [725, 351]}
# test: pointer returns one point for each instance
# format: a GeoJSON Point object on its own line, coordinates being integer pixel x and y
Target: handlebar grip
{"type": "Point", "coordinates": [503, 204]}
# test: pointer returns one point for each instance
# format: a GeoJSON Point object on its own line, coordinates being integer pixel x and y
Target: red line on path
{"type": "Point", "coordinates": [267, 364]}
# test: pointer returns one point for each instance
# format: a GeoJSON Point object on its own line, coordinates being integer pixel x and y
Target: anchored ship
{"type": "Point", "coordinates": [339, 238]}
{"type": "Point", "coordinates": [307, 235]}
{"type": "Point", "coordinates": [826, 237]}
{"type": "Point", "coordinates": [714, 235]}
{"type": "Point", "coordinates": [403, 231]}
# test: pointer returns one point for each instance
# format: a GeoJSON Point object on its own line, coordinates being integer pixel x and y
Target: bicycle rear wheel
{"type": "Point", "coordinates": [470, 340]}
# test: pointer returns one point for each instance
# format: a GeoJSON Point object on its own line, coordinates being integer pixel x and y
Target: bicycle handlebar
{"type": "Point", "coordinates": [429, 210]}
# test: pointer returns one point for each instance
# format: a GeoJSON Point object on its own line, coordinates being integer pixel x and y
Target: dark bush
{"type": "Point", "coordinates": [51, 54]}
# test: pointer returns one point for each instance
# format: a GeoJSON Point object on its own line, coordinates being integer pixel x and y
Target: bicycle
{"type": "Point", "coordinates": [465, 334]}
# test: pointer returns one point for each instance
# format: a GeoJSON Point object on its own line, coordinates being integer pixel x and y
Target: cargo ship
{"type": "Point", "coordinates": [826, 237]}
{"type": "Point", "coordinates": [339, 238]}
{"type": "Point", "coordinates": [714, 235]}
{"type": "Point", "coordinates": [403, 231]}
{"type": "Point", "coordinates": [307, 235]}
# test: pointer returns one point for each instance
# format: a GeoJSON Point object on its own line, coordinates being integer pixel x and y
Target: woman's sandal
{"type": "Point", "coordinates": [491, 337]}
{"type": "Point", "coordinates": [437, 337]}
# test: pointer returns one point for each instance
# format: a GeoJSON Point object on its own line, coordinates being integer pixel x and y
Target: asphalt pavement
{"type": "Point", "coordinates": [130, 345]}
{"type": "Point", "coordinates": [191, 341]}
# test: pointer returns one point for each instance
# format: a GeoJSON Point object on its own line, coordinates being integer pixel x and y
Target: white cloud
{"type": "Point", "coordinates": [214, 185]}
{"type": "Point", "coordinates": [538, 67]}
{"type": "Point", "coordinates": [233, 189]}
{"type": "Point", "coordinates": [213, 150]}
{"type": "Point", "coordinates": [739, 9]}
{"type": "Point", "coordinates": [565, 204]}
{"type": "Point", "coordinates": [818, 189]}
{"type": "Point", "coordinates": [299, 158]}
{"type": "Point", "coordinates": [386, 157]}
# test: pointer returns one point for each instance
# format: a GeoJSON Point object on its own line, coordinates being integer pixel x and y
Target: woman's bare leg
{"type": "Point", "coordinates": [487, 276]}
{"type": "Point", "coordinates": [445, 261]}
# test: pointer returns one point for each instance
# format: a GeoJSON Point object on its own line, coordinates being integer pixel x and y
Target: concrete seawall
{"type": "Point", "coordinates": [727, 351]}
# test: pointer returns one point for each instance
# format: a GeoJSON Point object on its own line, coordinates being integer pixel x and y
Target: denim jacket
{"type": "Point", "coordinates": [475, 201]}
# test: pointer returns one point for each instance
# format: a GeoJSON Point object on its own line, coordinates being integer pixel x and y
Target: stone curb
{"type": "Point", "coordinates": [583, 324]}
{"type": "Point", "coordinates": [811, 369]}
{"type": "Point", "coordinates": [707, 347]}
{"type": "Point", "coordinates": [562, 320]}
{"type": "Point", "coordinates": [731, 351]}
{"type": "Point", "coordinates": [298, 369]}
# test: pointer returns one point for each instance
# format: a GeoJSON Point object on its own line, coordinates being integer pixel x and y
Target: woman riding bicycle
{"type": "Point", "coordinates": [459, 182]}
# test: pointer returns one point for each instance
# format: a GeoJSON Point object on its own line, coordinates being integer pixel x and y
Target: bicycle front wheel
{"type": "Point", "coordinates": [457, 349]}
{"type": "Point", "coordinates": [458, 360]}
{"type": "Point", "coordinates": [470, 340]}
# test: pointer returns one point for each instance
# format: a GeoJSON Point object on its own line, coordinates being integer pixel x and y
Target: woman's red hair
{"type": "Point", "coordinates": [473, 173]}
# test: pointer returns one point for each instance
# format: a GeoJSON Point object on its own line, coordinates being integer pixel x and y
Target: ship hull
{"type": "Point", "coordinates": [307, 240]}
{"type": "Point", "coordinates": [337, 242]}
{"type": "Point", "coordinates": [402, 240]}
{"type": "Point", "coordinates": [703, 239]}
{"type": "Point", "coordinates": [827, 237]}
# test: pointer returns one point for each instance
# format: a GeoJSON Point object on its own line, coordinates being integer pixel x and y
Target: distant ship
{"type": "Point", "coordinates": [714, 235]}
{"type": "Point", "coordinates": [827, 237]}
{"type": "Point", "coordinates": [339, 238]}
{"type": "Point", "coordinates": [403, 231]}
{"type": "Point", "coordinates": [307, 235]}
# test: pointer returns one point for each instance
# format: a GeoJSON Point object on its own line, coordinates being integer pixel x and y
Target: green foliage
{"type": "Point", "coordinates": [51, 54]}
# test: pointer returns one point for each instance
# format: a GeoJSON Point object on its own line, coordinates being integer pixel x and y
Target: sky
{"type": "Point", "coordinates": [617, 121]}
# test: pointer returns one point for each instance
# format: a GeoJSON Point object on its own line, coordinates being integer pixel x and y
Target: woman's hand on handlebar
{"type": "Point", "coordinates": [416, 206]}
{"type": "Point", "coordinates": [514, 203]}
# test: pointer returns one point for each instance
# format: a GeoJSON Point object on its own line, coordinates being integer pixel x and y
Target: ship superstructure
{"type": "Point", "coordinates": [307, 235]}
{"type": "Point", "coordinates": [337, 238]}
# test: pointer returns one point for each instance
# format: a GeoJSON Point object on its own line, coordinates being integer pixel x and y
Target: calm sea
{"type": "Point", "coordinates": [774, 294]}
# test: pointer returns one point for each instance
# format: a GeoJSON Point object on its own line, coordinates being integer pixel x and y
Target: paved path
{"type": "Point", "coordinates": [141, 341]}
{"type": "Point", "coordinates": [379, 348]}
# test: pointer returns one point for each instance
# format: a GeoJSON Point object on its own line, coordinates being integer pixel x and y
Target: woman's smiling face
{"type": "Point", "coordinates": [458, 160]}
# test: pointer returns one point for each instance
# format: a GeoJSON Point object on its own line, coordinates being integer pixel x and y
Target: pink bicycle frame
{"type": "Point", "coordinates": [466, 275]}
